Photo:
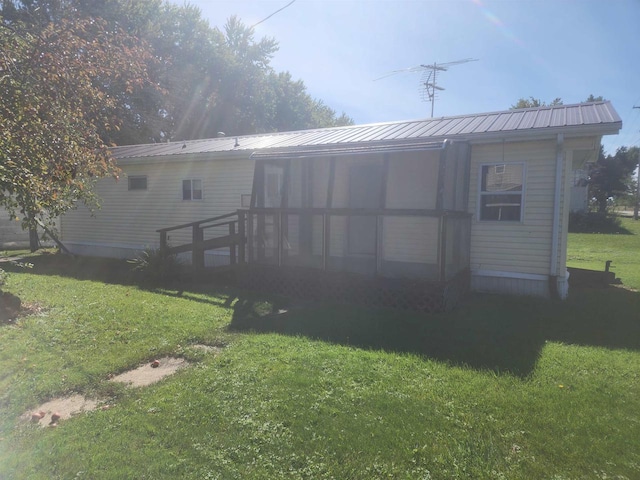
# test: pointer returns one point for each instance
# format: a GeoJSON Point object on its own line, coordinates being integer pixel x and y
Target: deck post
{"type": "Point", "coordinates": [325, 240]}
{"type": "Point", "coordinates": [442, 253]}
{"type": "Point", "coordinates": [233, 246]}
{"type": "Point", "coordinates": [378, 243]}
{"type": "Point", "coordinates": [163, 243]}
{"type": "Point", "coordinates": [280, 245]}
{"type": "Point", "coordinates": [197, 254]}
{"type": "Point", "coordinates": [250, 238]}
{"type": "Point", "coordinates": [241, 235]}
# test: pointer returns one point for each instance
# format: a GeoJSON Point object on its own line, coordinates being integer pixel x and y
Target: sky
{"type": "Point", "coordinates": [540, 48]}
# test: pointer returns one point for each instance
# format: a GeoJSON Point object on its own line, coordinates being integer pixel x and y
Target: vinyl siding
{"type": "Point", "coordinates": [519, 247]}
{"type": "Point", "coordinates": [131, 218]}
{"type": "Point", "coordinates": [11, 232]}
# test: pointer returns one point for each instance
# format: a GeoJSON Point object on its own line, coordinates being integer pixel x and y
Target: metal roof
{"type": "Point", "coordinates": [596, 118]}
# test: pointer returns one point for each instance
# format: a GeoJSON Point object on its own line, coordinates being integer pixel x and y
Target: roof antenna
{"type": "Point", "coordinates": [428, 80]}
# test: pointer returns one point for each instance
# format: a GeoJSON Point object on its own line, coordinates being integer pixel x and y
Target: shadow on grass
{"type": "Point", "coordinates": [488, 332]}
{"type": "Point", "coordinates": [117, 272]}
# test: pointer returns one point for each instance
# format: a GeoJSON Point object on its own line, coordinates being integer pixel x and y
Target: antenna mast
{"type": "Point", "coordinates": [428, 81]}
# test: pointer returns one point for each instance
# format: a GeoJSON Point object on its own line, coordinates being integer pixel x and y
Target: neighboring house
{"type": "Point", "coordinates": [11, 233]}
{"type": "Point", "coordinates": [484, 198]}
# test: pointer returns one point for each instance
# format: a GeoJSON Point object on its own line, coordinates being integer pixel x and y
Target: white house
{"type": "Point", "coordinates": [485, 197]}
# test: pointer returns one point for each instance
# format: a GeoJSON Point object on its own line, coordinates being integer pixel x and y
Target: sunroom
{"type": "Point", "coordinates": [353, 221]}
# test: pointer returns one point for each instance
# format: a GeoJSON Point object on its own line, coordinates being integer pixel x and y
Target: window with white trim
{"type": "Point", "coordinates": [192, 189]}
{"type": "Point", "coordinates": [501, 192]}
{"type": "Point", "coordinates": [137, 182]}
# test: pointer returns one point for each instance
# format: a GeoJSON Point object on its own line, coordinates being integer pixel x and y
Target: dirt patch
{"type": "Point", "coordinates": [64, 408]}
{"type": "Point", "coordinates": [147, 374]}
{"type": "Point", "coordinates": [11, 308]}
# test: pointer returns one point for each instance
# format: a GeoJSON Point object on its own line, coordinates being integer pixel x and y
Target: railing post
{"type": "Point", "coordinates": [250, 237]}
{"type": "Point", "coordinates": [197, 254]}
{"type": "Point", "coordinates": [233, 246]}
{"type": "Point", "coordinates": [378, 243]}
{"type": "Point", "coordinates": [442, 253]}
{"type": "Point", "coordinates": [326, 219]}
{"type": "Point", "coordinates": [280, 245]}
{"type": "Point", "coordinates": [241, 235]}
{"type": "Point", "coordinates": [163, 243]}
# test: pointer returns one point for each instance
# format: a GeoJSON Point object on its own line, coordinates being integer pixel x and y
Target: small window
{"type": "Point", "coordinates": [138, 182]}
{"type": "Point", "coordinates": [192, 189]}
{"type": "Point", "coordinates": [501, 188]}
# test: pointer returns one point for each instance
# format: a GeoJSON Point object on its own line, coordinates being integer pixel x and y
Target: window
{"type": "Point", "coordinates": [501, 188]}
{"type": "Point", "coordinates": [138, 182]}
{"type": "Point", "coordinates": [192, 189]}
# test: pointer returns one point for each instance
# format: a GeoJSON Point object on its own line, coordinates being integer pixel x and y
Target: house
{"type": "Point", "coordinates": [475, 201]}
{"type": "Point", "coordinates": [11, 233]}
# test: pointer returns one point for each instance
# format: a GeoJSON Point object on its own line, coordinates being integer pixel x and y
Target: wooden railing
{"type": "Point", "coordinates": [234, 240]}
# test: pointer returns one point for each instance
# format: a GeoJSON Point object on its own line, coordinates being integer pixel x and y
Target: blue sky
{"type": "Point", "coordinates": [540, 48]}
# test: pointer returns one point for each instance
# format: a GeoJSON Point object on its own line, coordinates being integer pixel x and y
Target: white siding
{"type": "Point", "coordinates": [519, 247]}
{"type": "Point", "coordinates": [11, 232]}
{"type": "Point", "coordinates": [130, 219]}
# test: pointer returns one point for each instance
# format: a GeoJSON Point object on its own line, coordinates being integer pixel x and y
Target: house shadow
{"type": "Point", "coordinates": [120, 272]}
{"type": "Point", "coordinates": [488, 332]}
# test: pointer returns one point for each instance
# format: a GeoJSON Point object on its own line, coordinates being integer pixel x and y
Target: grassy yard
{"type": "Point", "coordinates": [592, 250]}
{"type": "Point", "coordinates": [501, 388]}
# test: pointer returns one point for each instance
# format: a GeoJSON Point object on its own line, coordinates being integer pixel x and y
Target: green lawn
{"type": "Point", "coordinates": [592, 250]}
{"type": "Point", "coordinates": [503, 387]}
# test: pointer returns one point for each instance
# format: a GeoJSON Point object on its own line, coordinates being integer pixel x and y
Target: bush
{"type": "Point", "coordinates": [595, 222]}
{"type": "Point", "coordinates": [154, 266]}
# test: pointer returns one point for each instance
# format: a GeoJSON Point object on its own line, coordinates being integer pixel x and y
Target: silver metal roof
{"type": "Point", "coordinates": [596, 118]}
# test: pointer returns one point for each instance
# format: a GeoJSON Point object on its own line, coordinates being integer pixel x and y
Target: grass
{"type": "Point", "coordinates": [503, 387]}
{"type": "Point", "coordinates": [592, 250]}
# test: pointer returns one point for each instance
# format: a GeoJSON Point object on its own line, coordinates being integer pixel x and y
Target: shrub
{"type": "Point", "coordinates": [155, 266]}
{"type": "Point", "coordinates": [595, 222]}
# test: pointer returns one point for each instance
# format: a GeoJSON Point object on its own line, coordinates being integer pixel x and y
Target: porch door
{"type": "Point", "coordinates": [365, 191]}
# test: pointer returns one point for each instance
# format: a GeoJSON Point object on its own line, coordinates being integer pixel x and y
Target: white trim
{"type": "Point", "coordinates": [522, 192]}
{"type": "Point", "coordinates": [191, 180]}
{"type": "Point", "coordinates": [555, 234]}
{"type": "Point", "coordinates": [99, 244]}
{"type": "Point", "coordinates": [218, 251]}
{"type": "Point", "coordinates": [501, 274]}
{"type": "Point", "coordinates": [519, 275]}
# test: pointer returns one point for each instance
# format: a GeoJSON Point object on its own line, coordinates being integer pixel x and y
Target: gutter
{"type": "Point", "coordinates": [555, 234]}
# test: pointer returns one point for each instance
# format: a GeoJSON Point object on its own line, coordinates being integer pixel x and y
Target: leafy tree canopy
{"type": "Point", "coordinates": [533, 102]}
{"type": "Point", "coordinates": [56, 107]}
{"type": "Point", "coordinates": [210, 79]}
{"type": "Point", "coordinates": [611, 175]}
{"type": "Point", "coordinates": [79, 75]}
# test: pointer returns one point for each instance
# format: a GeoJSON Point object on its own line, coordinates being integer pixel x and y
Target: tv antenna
{"type": "Point", "coordinates": [429, 77]}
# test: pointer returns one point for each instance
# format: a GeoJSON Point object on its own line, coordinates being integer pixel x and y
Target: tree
{"type": "Point", "coordinates": [532, 102]}
{"type": "Point", "coordinates": [56, 107]}
{"type": "Point", "coordinates": [610, 176]}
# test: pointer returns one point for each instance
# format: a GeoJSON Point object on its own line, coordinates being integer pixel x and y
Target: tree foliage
{"type": "Point", "coordinates": [210, 79]}
{"type": "Point", "coordinates": [79, 75]}
{"type": "Point", "coordinates": [56, 107]}
{"type": "Point", "coordinates": [533, 102]}
{"type": "Point", "coordinates": [611, 175]}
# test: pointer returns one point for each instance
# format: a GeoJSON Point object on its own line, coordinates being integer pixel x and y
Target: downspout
{"type": "Point", "coordinates": [555, 233]}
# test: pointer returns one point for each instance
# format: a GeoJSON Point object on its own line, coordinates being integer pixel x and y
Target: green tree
{"type": "Point", "coordinates": [55, 107]}
{"type": "Point", "coordinates": [611, 175]}
{"type": "Point", "coordinates": [533, 102]}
